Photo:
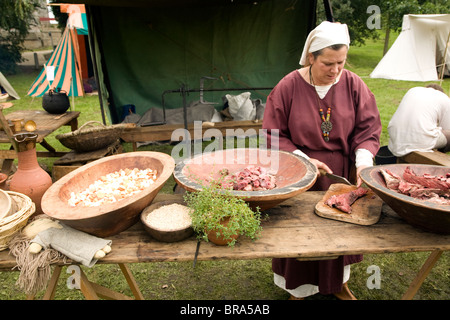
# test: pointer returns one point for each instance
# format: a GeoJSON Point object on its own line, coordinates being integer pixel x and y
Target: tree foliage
{"type": "Point", "coordinates": [354, 14]}
{"type": "Point", "coordinates": [15, 20]}
{"type": "Point", "coordinates": [61, 17]}
{"type": "Point", "coordinates": [394, 10]}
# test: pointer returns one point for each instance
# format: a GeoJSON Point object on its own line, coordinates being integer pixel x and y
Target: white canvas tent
{"type": "Point", "coordinates": [7, 92]}
{"type": "Point", "coordinates": [420, 51]}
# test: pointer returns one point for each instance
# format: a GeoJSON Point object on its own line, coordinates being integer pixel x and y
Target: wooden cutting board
{"type": "Point", "coordinates": [365, 211]}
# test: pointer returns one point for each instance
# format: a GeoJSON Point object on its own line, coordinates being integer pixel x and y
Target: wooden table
{"type": "Point", "coordinates": [46, 124]}
{"type": "Point", "coordinates": [292, 230]}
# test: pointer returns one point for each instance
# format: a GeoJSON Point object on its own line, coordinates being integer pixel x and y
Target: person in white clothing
{"type": "Point", "coordinates": [421, 122]}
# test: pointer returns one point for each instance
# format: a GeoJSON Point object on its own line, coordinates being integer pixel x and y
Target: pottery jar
{"type": "Point", "coordinates": [29, 179]}
{"type": "Point", "coordinates": [18, 123]}
{"type": "Point", "coordinates": [217, 238]}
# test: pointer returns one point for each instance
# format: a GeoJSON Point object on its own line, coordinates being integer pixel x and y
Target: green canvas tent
{"type": "Point", "coordinates": [144, 49]}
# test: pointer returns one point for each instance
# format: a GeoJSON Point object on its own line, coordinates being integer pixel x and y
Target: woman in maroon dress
{"type": "Point", "coordinates": [328, 115]}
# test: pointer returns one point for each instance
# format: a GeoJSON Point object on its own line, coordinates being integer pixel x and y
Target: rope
{"type": "Point", "coordinates": [35, 269]}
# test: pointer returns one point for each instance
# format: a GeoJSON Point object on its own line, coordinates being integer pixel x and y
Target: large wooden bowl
{"type": "Point", "coordinates": [108, 219]}
{"type": "Point", "coordinates": [293, 174]}
{"type": "Point", "coordinates": [426, 215]}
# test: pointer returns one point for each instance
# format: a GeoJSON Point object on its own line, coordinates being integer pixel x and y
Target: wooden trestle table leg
{"type": "Point", "coordinates": [131, 281]}
{"type": "Point", "coordinates": [423, 273]}
{"type": "Point", "coordinates": [51, 287]}
{"type": "Point", "coordinates": [93, 291]}
{"type": "Point", "coordinates": [87, 288]}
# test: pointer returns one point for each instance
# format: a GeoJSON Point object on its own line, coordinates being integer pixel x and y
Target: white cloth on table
{"type": "Point", "coordinates": [77, 245]}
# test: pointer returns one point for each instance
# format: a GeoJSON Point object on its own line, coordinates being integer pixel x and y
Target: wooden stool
{"type": "Point", "coordinates": [73, 160]}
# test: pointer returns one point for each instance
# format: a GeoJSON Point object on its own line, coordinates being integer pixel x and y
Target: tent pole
{"type": "Point", "coordinates": [73, 96]}
{"type": "Point", "coordinates": [445, 60]}
{"type": "Point", "coordinates": [92, 43]}
{"type": "Point", "coordinates": [328, 10]}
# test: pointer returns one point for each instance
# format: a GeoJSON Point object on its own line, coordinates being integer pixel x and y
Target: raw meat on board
{"type": "Point", "coordinates": [344, 201]}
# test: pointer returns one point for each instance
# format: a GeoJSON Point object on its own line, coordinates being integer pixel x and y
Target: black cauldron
{"type": "Point", "coordinates": [55, 101]}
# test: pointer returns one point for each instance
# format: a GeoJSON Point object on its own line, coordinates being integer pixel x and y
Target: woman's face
{"type": "Point", "coordinates": [328, 66]}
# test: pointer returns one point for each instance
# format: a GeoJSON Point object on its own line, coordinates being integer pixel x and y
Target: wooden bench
{"type": "Point", "coordinates": [164, 132]}
{"type": "Point", "coordinates": [433, 158]}
{"type": "Point", "coordinates": [73, 160]}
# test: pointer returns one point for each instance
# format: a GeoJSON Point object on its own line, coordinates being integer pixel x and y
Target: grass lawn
{"type": "Point", "coordinates": [224, 280]}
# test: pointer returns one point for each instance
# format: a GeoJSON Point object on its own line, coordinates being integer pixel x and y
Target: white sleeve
{"type": "Point", "coordinates": [363, 158]}
{"type": "Point", "coordinates": [444, 121]}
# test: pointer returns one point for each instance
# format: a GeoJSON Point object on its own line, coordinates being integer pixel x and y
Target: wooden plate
{"type": "Point", "coordinates": [365, 211]}
{"type": "Point", "coordinates": [294, 174]}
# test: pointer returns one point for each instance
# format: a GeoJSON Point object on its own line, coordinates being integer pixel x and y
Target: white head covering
{"type": "Point", "coordinates": [324, 35]}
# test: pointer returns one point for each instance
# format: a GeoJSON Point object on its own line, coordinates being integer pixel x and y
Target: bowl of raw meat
{"type": "Point", "coordinates": [418, 193]}
{"type": "Point", "coordinates": [263, 178]}
{"type": "Point", "coordinates": [107, 196]}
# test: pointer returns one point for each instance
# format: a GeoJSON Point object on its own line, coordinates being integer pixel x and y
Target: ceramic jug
{"type": "Point", "coordinates": [29, 179]}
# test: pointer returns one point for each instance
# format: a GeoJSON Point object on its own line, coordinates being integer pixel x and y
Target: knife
{"type": "Point", "coordinates": [334, 177]}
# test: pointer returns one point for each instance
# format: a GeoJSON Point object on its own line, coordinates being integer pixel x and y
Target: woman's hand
{"type": "Point", "coordinates": [320, 165]}
{"type": "Point", "coordinates": [358, 178]}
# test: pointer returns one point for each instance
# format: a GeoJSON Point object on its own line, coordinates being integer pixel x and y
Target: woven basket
{"type": "Point", "coordinates": [90, 137]}
{"type": "Point", "coordinates": [10, 225]}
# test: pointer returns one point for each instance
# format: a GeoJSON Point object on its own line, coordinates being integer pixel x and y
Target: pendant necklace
{"type": "Point", "coordinates": [326, 125]}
